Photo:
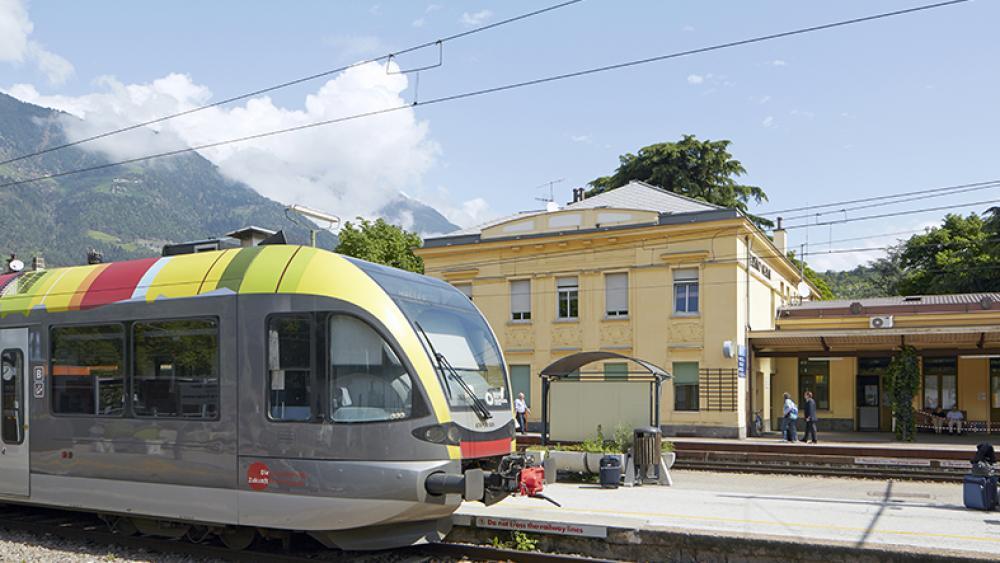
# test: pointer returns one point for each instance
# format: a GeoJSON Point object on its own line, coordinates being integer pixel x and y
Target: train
{"type": "Point", "coordinates": [259, 390]}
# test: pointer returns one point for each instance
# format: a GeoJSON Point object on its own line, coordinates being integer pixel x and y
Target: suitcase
{"type": "Point", "coordinates": [980, 492]}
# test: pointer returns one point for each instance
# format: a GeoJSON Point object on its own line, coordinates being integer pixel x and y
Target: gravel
{"type": "Point", "coordinates": [24, 546]}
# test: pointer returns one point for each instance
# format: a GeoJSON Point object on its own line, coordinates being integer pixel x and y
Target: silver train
{"type": "Point", "coordinates": [247, 391]}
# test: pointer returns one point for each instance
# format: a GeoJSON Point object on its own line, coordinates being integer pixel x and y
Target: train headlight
{"type": "Point", "coordinates": [436, 434]}
{"type": "Point", "coordinates": [446, 434]}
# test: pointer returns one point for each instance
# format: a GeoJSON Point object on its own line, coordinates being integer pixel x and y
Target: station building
{"type": "Point", "coordinates": [638, 271]}
{"type": "Point", "coordinates": [840, 350]}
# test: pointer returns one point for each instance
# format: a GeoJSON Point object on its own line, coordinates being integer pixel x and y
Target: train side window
{"type": "Point", "coordinates": [12, 396]}
{"type": "Point", "coordinates": [87, 370]}
{"type": "Point", "coordinates": [290, 367]}
{"type": "Point", "coordinates": [176, 368]}
{"type": "Point", "coordinates": [367, 381]}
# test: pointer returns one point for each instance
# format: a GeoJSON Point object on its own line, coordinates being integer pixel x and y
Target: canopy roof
{"type": "Point", "coordinates": [975, 339]}
{"type": "Point", "coordinates": [565, 366]}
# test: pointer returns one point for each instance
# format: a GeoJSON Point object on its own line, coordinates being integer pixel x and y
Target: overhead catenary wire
{"type": "Point", "coordinates": [963, 189]}
{"type": "Point", "coordinates": [877, 198]}
{"type": "Point", "coordinates": [294, 82]}
{"type": "Point", "coordinates": [497, 89]}
{"type": "Point", "coordinates": [895, 214]}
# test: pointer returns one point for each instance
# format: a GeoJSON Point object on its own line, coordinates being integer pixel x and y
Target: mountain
{"type": "Point", "coordinates": [416, 216]}
{"type": "Point", "coordinates": [131, 211]}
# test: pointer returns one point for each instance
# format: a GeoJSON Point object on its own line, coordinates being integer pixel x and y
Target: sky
{"type": "Point", "coordinates": [902, 104]}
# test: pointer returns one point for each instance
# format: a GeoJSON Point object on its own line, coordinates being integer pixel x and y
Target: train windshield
{"type": "Point", "coordinates": [450, 324]}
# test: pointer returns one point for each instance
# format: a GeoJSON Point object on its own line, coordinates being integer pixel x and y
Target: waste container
{"type": "Point", "coordinates": [611, 471]}
{"type": "Point", "coordinates": [646, 453]}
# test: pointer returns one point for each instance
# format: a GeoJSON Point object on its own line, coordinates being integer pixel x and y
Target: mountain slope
{"type": "Point", "coordinates": [130, 211]}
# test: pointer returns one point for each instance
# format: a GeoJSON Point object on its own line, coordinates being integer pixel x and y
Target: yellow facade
{"type": "Point", "coordinates": [712, 247]}
{"type": "Point", "coordinates": [959, 332]}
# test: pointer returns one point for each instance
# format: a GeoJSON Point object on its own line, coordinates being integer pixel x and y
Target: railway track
{"type": "Point", "coordinates": [86, 527]}
{"type": "Point", "coordinates": [820, 470]}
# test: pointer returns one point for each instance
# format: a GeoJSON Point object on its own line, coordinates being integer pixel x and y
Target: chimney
{"type": "Point", "coordinates": [37, 264]}
{"type": "Point", "coordinates": [781, 238]}
{"type": "Point", "coordinates": [578, 194]}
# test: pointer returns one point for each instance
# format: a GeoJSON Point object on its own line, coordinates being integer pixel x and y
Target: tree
{"type": "Point", "coordinates": [960, 256]}
{"type": "Point", "coordinates": [381, 243]}
{"type": "Point", "coordinates": [813, 277]}
{"type": "Point", "coordinates": [697, 169]}
{"type": "Point", "coordinates": [902, 381]}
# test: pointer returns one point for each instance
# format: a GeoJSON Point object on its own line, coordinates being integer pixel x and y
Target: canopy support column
{"type": "Point", "coordinates": [545, 410]}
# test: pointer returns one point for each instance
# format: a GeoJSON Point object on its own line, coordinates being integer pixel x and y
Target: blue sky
{"type": "Point", "coordinates": [886, 106]}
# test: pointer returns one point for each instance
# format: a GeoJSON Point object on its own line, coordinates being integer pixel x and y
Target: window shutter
{"type": "Point", "coordinates": [567, 283]}
{"type": "Point", "coordinates": [465, 288]}
{"type": "Point", "coordinates": [616, 293]}
{"type": "Point", "coordinates": [520, 296]}
{"type": "Point", "coordinates": [686, 274]}
{"type": "Point", "coordinates": [685, 373]}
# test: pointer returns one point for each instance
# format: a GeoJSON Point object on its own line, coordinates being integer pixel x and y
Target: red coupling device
{"type": "Point", "coordinates": [532, 481]}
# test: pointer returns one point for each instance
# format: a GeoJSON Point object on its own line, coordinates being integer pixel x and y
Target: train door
{"type": "Point", "coordinates": [14, 391]}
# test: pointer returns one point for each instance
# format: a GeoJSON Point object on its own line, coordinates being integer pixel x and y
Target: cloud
{"type": "Point", "coordinates": [475, 19]}
{"type": "Point", "coordinates": [433, 8]}
{"type": "Point", "coordinates": [55, 68]}
{"type": "Point", "coordinates": [375, 10]}
{"type": "Point", "coordinates": [419, 22]}
{"type": "Point", "coordinates": [351, 168]}
{"type": "Point", "coordinates": [778, 62]}
{"type": "Point", "coordinates": [764, 100]}
{"type": "Point", "coordinates": [16, 45]}
{"type": "Point", "coordinates": [768, 121]}
{"type": "Point", "coordinates": [688, 28]}
{"type": "Point", "coordinates": [695, 79]}
{"type": "Point", "coordinates": [580, 138]}
{"type": "Point", "coordinates": [356, 47]}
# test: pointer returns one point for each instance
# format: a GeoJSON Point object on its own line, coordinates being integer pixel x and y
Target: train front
{"type": "Point", "coordinates": [478, 428]}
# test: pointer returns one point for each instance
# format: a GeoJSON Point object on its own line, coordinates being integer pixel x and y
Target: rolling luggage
{"type": "Point", "coordinates": [980, 492]}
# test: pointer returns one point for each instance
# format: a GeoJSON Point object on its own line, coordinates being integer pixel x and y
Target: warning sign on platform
{"type": "Point", "coordinates": [542, 527]}
{"type": "Point", "coordinates": [909, 462]}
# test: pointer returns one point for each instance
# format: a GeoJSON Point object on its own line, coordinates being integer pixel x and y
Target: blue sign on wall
{"type": "Point", "coordinates": [741, 361]}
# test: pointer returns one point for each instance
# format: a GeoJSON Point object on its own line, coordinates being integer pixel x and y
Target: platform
{"type": "Point", "coordinates": [801, 513]}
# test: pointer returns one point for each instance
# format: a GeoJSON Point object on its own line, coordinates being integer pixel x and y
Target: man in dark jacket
{"type": "Point", "coordinates": [810, 412]}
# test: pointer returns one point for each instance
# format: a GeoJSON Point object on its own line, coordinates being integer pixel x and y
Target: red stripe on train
{"type": "Point", "coordinates": [487, 448]}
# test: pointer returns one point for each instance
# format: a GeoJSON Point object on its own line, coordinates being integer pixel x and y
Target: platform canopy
{"type": "Point", "coordinates": [877, 341]}
{"type": "Point", "coordinates": [563, 367]}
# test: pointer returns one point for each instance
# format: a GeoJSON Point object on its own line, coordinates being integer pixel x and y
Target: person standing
{"type": "Point", "coordinates": [521, 410]}
{"type": "Point", "coordinates": [810, 407]}
{"type": "Point", "coordinates": [790, 415]}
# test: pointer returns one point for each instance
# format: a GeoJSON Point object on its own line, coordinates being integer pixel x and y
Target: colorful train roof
{"type": "Point", "coordinates": [258, 269]}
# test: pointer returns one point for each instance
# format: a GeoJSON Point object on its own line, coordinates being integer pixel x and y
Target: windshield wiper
{"type": "Point", "coordinates": [446, 368]}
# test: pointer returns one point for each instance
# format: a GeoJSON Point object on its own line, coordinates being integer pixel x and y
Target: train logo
{"type": "Point", "coordinates": [258, 476]}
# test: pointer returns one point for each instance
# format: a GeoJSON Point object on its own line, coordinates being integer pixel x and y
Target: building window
{"type": "Point", "coordinates": [12, 396]}
{"type": "Point", "coordinates": [368, 383]}
{"type": "Point", "coordinates": [465, 288]}
{"type": "Point", "coordinates": [940, 383]}
{"type": "Point", "coordinates": [569, 298]}
{"type": "Point", "coordinates": [176, 368]}
{"type": "Point", "coordinates": [87, 375]}
{"type": "Point", "coordinates": [520, 300]}
{"type": "Point", "coordinates": [520, 381]}
{"type": "Point", "coordinates": [686, 386]}
{"type": "Point", "coordinates": [290, 361]}
{"type": "Point", "coordinates": [616, 371]}
{"type": "Point", "coordinates": [686, 291]}
{"type": "Point", "coordinates": [814, 375]}
{"type": "Point", "coordinates": [616, 295]}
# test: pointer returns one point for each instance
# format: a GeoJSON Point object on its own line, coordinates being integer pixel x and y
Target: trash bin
{"type": "Point", "coordinates": [611, 471]}
{"type": "Point", "coordinates": [646, 453]}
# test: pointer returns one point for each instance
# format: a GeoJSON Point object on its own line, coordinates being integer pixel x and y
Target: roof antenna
{"type": "Point", "coordinates": [550, 202]}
